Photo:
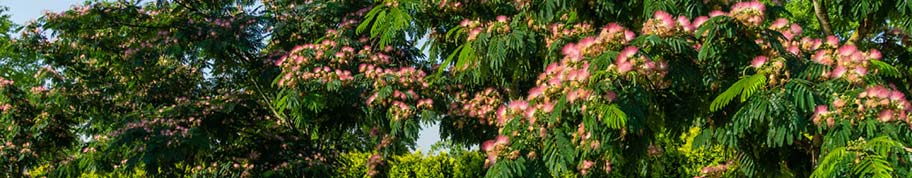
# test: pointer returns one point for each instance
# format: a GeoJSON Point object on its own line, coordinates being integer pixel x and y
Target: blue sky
{"type": "Point", "coordinates": [25, 10]}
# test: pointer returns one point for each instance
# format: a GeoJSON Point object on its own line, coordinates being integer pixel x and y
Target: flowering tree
{"type": "Point", "coordinates": [543, 88]}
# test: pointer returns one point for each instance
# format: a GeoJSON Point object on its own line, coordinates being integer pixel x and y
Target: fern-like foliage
{"type": "Point", "coordinates": [886, 69]}
{"type": "Point", "coordinates": [388, 21]}
{"type": "Point", "coordinates": [745, 87]}
{"type": "Point", "coordinates": [861, 158]}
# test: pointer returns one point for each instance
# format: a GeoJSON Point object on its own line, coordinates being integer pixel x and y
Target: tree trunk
{"type": "Point", "coordinates": [821, 13]}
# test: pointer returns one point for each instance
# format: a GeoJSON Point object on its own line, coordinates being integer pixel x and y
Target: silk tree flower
{"type": "Point", "coordinates": [697, 22]}
{"type": "Point", "coordinates": [665, 18]}
{"type": "Point", "coordinates": [685, 23]}
{"type": "Point", "coordinates": [758, 61]}
{"type": "Point", "coordinates": [623, 64]}
{"type": "Point", "coordinates": [832, 41]}
{"type": "Point", "coordinates": [585, 166]}
{"type": "Point", "coordinates": [501, 18]}
{"type": "Point", "coordinates": [749, 13]}
{"type": "Point", "coordinates": [536, 92]}
{"type": "Point", "coordinates": [715, 13]}
{"type": "Point", "coordinates": [779, 23]}
{"type": "Point", "coordinates": [570, 50]}
{"type": "Point", "coordinates": [887, 104]}
{"type": "Point", "coordinates": [662, 24]}
{"type": "Point", "coordinates": [885, 116]}
{"type": "Point", "coordinates": [4, 82]}
{"type": "Point", "coordinates": [819, 112]}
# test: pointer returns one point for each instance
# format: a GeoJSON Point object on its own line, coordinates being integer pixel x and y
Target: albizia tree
{"type": "Point", "coordinates": [545, 88]}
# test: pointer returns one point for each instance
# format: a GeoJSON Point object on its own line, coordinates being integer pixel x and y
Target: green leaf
{"type": "Point", "coordinates": [886, 69]}
{"type": "Point", "coordinates": [746, 87]}
{"type": "Point", "coordinates": [615, 118]}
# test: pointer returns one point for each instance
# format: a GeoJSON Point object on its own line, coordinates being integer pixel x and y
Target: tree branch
{"type": "Point", "coordinates": [861, 31]}
{"type": "Point", "coordinates": [821, 13]}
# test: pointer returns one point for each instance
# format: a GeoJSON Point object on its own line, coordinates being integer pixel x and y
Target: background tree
{"type": "Point", "coordinates": [543, 88]}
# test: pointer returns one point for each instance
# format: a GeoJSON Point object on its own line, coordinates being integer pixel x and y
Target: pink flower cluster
{"type": "Point", "coordinates": [165, 127]}
{"type": "Point", "coordinates": [749, 13]}
{"type": "Point", "coordinates": [401, 102]}
{"type": "Point", "coordinates": [664, 24]}
{"type": "Point", "coordinates": [715, 170]}
{"type": "Point", "coordinates": [4, 82]}
{"type": "Point", "coordinates": [615, 34]}
{"type": "Point", "coordinates": [583, 139]}
{"type": "Point", "coordinates": [404, 76]}
{"type": "Point", "coordinates": [790, 32]}
{"type": "Point", "coordinates": [569, 77]}
{"type": "Point", "coordinates": [560, 31]}
{"type": "Point", "coordinates": [585, 166]}
{"type": "Point", "coordinates": [885, 103]}
{"type": "Point", "coordinates": [14, 152]}
{"type": "Point", "coordinates": [629, 60]}
{"type": "Point", "coordinates": [494, 147]}
{"type": "Point", "coordinates": [846, 62]}
{"type": "Point", "coordinates": [481, 106]}
{"type": "Point", "coordinates": [474, 27]}
{"type": "Point", "coordinates": [311, 62]}
{"type": "Point", "coordinates": [447, 5]}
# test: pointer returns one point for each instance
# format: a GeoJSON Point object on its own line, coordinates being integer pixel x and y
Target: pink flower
{"type": "Point", "coordinates": [629, 35]}
{"type": "Point", "coordinates": [822, 58]}
{"type": "Point", "coordinates": [838, 103]}
{"type": "Point", "coordinates": [847, 50]}
{"type": "Point", "coordinates": [861, 71]}
{"type": "Point", "coordinates": [537, 91]}
{"type": "Point", "coordinates": [492, 158]}
{"type": "Point", "coordinates": [571, 51]}
{"type": "Point", "coordinates": [502, 140]}
{"type": "Point", "coordinates": [474, 33]}
{"type": "Point", "coordinates": [627, 52]}
{"type": "Point", "coordinates": [548, 106]}
{"type": "Point", "coordinates": [685, 23]}
{"type": "Point", "coordinates": [794, 50]}
{"type": "Point", "coordinates": [518, 105]}
{"type": "Point", "coordinates": [838, 72]}
{"type": "Point", "coordinates": [715, 13]}
{"type": "Point", "coordinates": [758, 61]}
{"type": "Point", "coordinates": [821, 109]}
{"type": "Point", "coordinates": [832, 41]}
{"type": "Point", "coordinates": [501, 18]}
{"type": "Point", "coordinates": [699, 21]}
{"type": "Point", "coordinates": [572, 96]}
{"type": "Point", "coordinates": [552, 68]}
{"type": "Point", "coordinates": [665, 18]}
{"type": "Point", "coordinates": [788, 35]}
{"type": "Point", "coordinates": [624, 67]}
{"type": "Point", "coordinates": [779, 23]}
{"type": "Point", "coordinates": [874, 54]}
{"type": "Point", "coordinates": [487, 145]}
{"type": "Point", "coordinates": [614, 28]}
{"type": "Point", "coordinates": [585, 43]}
{"type": "Point", "coordinates": [796, 29]}
{"type": "Point", "coordinates": [879, 92]}
{"type": "Point", "coordinates": [280, 61]}
{"type": "Point", "coordinates": [885, 115]}
{"type": "Point", "coordinates": [501, 111]}
{"type": "Point", "coordinates": [530, 113]}
{"type": "Point", "coordinates": [465, 22]}
{"type": "Point", "coordinates": [897, 95]}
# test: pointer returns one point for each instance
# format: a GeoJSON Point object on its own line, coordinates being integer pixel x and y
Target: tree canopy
{"type": "Point", "coordinates": [521, 88]}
